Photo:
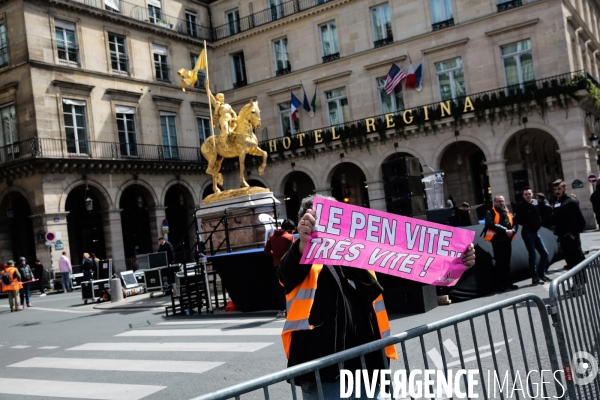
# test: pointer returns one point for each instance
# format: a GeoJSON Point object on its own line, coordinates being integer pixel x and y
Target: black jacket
{"type": "Point", "coordinates": [168, 248]}
{"type": "Point", "coordinates": [26, 272]}
{"type": "Point", "coordinates": [568, 218]}
{"type": "Point", "coordinates": [87, 264]}
{"type": "Point", "coordinates": [528, 216]}
{"type": "Point", "coordinates": [501, 227]}
{"type": "Point", "coordinates": [343, 317]}
{"type": "Point", "coordinates": [595, 200]}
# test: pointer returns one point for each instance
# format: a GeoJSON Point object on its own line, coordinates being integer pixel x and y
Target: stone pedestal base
{"type": "Point", "coordinates": [240, 215]}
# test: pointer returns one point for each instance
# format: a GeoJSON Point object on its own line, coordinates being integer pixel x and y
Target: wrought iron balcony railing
{"type": "Point", "coordinates": [331, 57]}
{"type": "Point", "coordinates": [283, 71]}
{"type": "Point", "coordinates": [141, 13]}
{"type": "Point", "coordinates": [508, 5]}
{"type": "Point", "coordinates": [46, 148]}
{"type": "Point", "coordinates": [384, 41]}
{"type": "Point", "coordinates": [443, 24]}
{"type": "Point", "coordinates": [259, 18]}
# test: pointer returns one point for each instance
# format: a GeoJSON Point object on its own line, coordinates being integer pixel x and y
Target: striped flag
{"type": "Point", "coordinates": [394, 77]}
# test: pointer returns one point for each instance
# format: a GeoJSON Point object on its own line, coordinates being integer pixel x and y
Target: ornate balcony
{"type": "Point", "coordinates": [443, 24]}
{"type": "Point", "coordinates": [331, 57]}
{"type": "Point", "coordinates": [283, 71]}
{"type": "Point", "coordinates": [509, 5]}
{"type": "Point", "coordinates": [384, 41]}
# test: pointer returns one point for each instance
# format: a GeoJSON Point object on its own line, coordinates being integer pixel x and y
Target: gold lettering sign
{"type": "Point", "coordinates": [370, 124]}
{"type": "Point", "coordinates": [389, 119]}
{"type": "Point", "coordinates": [426, 113]}
{"type": "Point", "coordinates": [288, 141]}
{"type": "Point", "coordinates": [468, 105]}
{"type": "Point", "coordinates": [334, 136]}
{"type": "Point", "coordinates": [272, 146]}
{"type": "Point", "coordinates": [318, 137]}
{"type": "Point", "coordinates": [445, 108]}
{"type": "Point", "coordinates": [410, 115]}
{"type": "Point", "coordinates": [300, 137]}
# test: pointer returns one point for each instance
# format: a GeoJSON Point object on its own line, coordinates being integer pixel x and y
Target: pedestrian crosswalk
{"type": "Point", "coordinates": [159, 349]}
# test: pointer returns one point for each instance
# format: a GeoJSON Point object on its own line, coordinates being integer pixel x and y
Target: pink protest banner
{"type": "Point", "coordinates": [387, 243]}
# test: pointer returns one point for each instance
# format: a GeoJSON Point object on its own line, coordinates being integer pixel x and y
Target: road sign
{"type": "Point", "coordinates": [592, 178]}
{"type": "Point", "coordinates": [59, 245]}
{"type": "Point", "coordinates": [50, 236]}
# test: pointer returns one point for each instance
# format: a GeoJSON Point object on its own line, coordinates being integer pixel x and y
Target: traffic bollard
{"type": "Point", "coordinates": [116, 292]}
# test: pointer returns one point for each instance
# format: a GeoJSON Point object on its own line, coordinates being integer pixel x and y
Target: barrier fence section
{"type": "Point", "coordinates": [575, 311]}
{"type": "Point", "coordinates": [503, 342]}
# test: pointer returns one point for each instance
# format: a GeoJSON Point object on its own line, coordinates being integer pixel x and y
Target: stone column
{"type": "Point", "coordinates": [157, 215]}
{"type": "Point", "coordinates": [57, 224]}
{"type": "Point", "coordinates": [576, 164]}
{"type": "Point", "coordinates": [376, 195]}
{"type": "Point", "coordinates": [497, 177]}
{"type": "Point", "coordinates": [113, 234]}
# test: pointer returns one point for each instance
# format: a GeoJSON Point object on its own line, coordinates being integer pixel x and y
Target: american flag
{"type": "Point", "coordinates": [393, 78]}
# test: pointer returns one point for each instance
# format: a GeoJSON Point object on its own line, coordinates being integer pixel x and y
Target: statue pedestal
{"type": "Point", "coordinates": [245, 230]}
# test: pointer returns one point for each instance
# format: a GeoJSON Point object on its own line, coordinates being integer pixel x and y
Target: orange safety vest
{"type": "Point", "coordinates": [489, 234]}
{"type": "Point", "coordinates": [299, 303]}
{"type": "Point", "coordinates": [15, 284]}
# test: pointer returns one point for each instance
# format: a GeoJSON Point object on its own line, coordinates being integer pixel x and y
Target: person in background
{"type": "Point", "coordinates": [277, 245]}
{"type": "Point", "coordinates": [528, 216]}
{"type": "Point", "coordinates": [38, 273]}
{"type": "Point", "coordinates": [465, 206]}
{"type": "Point", "coordinates": [167, 247]}
{"type": "Point", "coordinates": [87, 267]}
{"type": "Point", "coordinates": [65, 268]}
{"type": "Point", "coordinates": [569, 222]}
{"type": "Point", "coordinates": [12, 289]}
{"type": "Point", "coordinates": [501, 231]}
{"type": "Point", "coordinates": [450, 202]}
{"type": "Point", "coordinates": [199, 249]}
{"type": "Point", "coordinates": [26, 279]}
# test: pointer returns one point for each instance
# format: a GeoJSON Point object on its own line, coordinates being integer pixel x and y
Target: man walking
{"type": "Point", "coordinates": [500, 231]}
{"type": "Point", "coordinates": [167, 247]}
{"type": "Point", "coordinates": [528, 217]}
{"type": "Point", "coordinates": [38, 273]}
{"type": "Point", "coordinates": [595, 200]}
{"type": "Point", "coordinates": [12, 288]}
{"type": "Point", "coordinates": [569, 222]}
{"type": "Point", "coordinates": [26, 280]}
{"type": "Point", "coordinates": [64, 266]}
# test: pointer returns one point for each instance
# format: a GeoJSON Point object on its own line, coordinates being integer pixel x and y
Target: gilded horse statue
{"type": "Point", "coordinates": [235, 143]}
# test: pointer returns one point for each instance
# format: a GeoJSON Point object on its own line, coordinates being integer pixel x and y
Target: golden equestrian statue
{"type": "Point", "coordinates": [236, 133]}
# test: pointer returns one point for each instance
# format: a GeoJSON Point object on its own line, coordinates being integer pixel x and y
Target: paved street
{"type": "Point", "coordinates": [61, 348]}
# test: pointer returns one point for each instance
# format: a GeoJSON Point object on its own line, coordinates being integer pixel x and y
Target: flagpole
{"type": "Point", "coordinates": [212, 128]}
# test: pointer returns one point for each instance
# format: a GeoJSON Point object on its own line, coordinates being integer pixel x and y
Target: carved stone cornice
{"type": "Point", "coordinates": [123, 95]}
{"type": "Point", "coordinates": [75, 88]}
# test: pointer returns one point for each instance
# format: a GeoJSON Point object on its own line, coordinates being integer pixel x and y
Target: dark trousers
{"type": "Point", "coordinates": [24, 294]}
{"type": "Point", "coordinates": [88, 275]}
{"type": "Point", "coordinates": [280, 292]}
{"type": "Point", "coordinates": [502, 254]}
{"type": "Point", "coordinates": [41, 281]}
{"type": "Point", "coordinates": [573, 254]}
{"type": "Point", "coordinates": [534, 242]}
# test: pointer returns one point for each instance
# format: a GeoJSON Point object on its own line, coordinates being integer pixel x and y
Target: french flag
{"type": "Point", "coordinates": [414, 79]}
{"type": "Point", "coordinates": [296, 104]}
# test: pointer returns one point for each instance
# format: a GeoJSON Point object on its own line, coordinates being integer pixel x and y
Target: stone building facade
{"type": "Point", "coordinates": [92, 109]}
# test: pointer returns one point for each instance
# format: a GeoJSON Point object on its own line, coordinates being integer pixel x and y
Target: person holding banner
{"type": "Point", "coordinates": [501, 231]}
{"type": "Point", "coordinates": [331, 309]}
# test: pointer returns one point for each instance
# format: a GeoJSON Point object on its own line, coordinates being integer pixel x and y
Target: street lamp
{"type": "Point", "coordinates": [527, 148]}
{"type": "Point", "coordinates": [594, 141]}
{"type": "Point", "coordinates": [89, 203]}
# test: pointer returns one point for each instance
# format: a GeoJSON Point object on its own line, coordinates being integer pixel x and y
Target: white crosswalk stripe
{"type": "Point", "coordinates": [76, 390]}
{"type": "Point", "coordinates": [147, 357]}
{"type": "Point", "coordinates": [213, 347]}
{"type": "Point", "coordinates": [103, 364]}
{"type": "Point", "coordinates": [203, 332]}
{"type": "Point", "coordinates": [238, 321]}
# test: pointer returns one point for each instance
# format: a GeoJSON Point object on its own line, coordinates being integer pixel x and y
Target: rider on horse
{"type": "Point", "coordinates": [227, 117]}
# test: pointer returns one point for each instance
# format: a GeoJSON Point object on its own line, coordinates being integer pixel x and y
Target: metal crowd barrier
{"type": "Point", "coordinates": [465, 341]}
{"type": "Point", "coordinates": [575, 311]}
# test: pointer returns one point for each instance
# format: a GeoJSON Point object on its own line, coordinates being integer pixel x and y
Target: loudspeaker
{"type": "Point", "coordinates": [407, 206]}
{"type": "Point", "coordinates": [408, 300]}
{"type": "Point", "coordinates": [401, 167]}
{"type": "Point", "coordinates": [403, 187]}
